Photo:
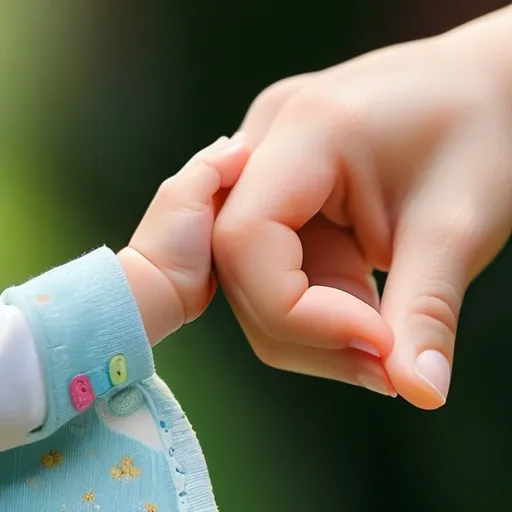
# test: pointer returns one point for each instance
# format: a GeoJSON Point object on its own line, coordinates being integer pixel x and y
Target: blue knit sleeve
{"type": "Point", "coordinates": [88, 331]}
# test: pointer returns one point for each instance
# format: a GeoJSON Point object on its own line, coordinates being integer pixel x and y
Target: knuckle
{"type": "Point", "coordinates": [226, 231]}
{"type": "Point", "coordinates": [461, 229]}
{"type": "Point", "coordinates": [275, 324]}
{"type": "Point", "coordinates": [269, 355]}
{"type": "Point", "coordinates": [465, 235]}
{"type": "Point", "coordinates": [438, 309]}
{"type": "Point", "coordinates": [230, 236]}
{"type": "Point", "coordinates": [311, 101]}
{"type": "Point", "coordinates": [275, 95]}
{"type": "Point", "coordinates": [167, 191]}
{"type": "Point", "coordinates": [322, 101]}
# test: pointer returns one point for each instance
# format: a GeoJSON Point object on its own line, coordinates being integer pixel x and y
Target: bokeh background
{"type": "Point", "coordinates": [100, 100]}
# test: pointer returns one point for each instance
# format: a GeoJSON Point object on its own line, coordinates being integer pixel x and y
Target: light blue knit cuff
{"type": "Point", "coordinates": [89, 333]}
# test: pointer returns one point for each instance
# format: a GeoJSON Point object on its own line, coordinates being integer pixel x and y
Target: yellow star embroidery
{"type": "Point", "coordinates": [135, 472]}
{"type": "Point", "coordinates": [89, 497]}
{"type": "Point", "coordinates": [150, 508]}
{"type": "Point", "coordinates": [125, 469]}
{"type": "Point", "coordinates": [116, 473]}
{"type": "Point", "coordinates": [52, 459]}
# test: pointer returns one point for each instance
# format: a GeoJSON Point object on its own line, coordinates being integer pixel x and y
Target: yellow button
{"type": "Point", "coordinates": [118, 370]}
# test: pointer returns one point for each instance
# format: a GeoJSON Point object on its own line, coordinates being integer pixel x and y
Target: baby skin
{"type": "Point", "coordinates": [94, 428]}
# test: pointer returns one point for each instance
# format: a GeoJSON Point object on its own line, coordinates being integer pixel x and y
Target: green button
{"type": "Point", "coordinates": [118, 370]}
{"type": "Point", "coordinates": [126, 402]}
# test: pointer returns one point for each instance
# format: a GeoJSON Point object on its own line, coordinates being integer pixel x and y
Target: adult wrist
{"type": "Point", "coordinates": [487, 41]}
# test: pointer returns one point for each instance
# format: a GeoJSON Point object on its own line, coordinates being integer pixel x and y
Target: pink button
{"type": "Point", "coordinates": [82, 394]}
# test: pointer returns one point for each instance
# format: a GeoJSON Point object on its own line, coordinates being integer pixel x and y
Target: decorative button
{"type": "Point", "coordinates": [81, 392]}
{"type": "Point", "coordinates": [118, 370]}
{"type": "Point", "coordinates": [126, 402]}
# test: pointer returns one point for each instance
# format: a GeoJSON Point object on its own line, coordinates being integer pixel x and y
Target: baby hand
{"type": "Point", "coordinates": [168, 260]}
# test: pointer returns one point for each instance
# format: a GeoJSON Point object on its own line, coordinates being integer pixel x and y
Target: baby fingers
{"type": "Point", "coordinates": [168, 260]}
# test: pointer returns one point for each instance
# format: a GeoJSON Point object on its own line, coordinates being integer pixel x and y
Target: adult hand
{"type": "Point", "coordinates": [401, 161]}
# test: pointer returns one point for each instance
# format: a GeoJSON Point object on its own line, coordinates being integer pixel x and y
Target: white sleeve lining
{"type": "Point", "coordinates": [22, 387]}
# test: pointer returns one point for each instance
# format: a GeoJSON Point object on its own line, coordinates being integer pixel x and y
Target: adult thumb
{"type": "Point", "coordinates": [421, 302]}
{"type": "Point", "coordinates": [435, 258]}
{"type": "Point", "coordinates": [458, 219]}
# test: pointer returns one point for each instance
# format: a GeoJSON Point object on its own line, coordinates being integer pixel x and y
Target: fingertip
{"type": "Point", "coordinates": [215, 168]}
{"type": "Point", "coordinates": [386, 339]}
{"type": "Point", "coordinates": [364, 347]}
{"type": "Point", "coordinates": [414, 383]}
{"type": "Point", "coordinates": [380, 340]}
{"type": "Point", "coordinates": [371, 374]}
{"type": "Point", "coordinates": [230, 160]}
{"type": "Point", "coordinates": [433, 367]}
{"type": "Point", "coordinates": [332, 318]}
{"type": "Point", "coordinates": [426, 399]}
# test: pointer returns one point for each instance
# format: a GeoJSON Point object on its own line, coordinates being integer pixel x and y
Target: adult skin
{"type": "Point", "coordinates": [399, 160]}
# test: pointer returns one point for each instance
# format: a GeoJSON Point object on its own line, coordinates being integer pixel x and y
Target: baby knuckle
{"type": "Point", "coordinates": [168, 192]}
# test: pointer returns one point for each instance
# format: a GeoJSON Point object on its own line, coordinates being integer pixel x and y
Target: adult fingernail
{"type": "Point", "coordinates": [376, 383]}
{"type": "Point", "coordinates": [365, 347]}
{"type": "Point", "coordinates": [434, 368]}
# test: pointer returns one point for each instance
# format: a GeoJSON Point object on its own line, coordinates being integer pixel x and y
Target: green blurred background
{"type": "Point", "coordinates": [102, 100]}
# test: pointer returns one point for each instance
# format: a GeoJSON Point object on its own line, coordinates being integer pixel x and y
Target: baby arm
{"type": "Point", "coordinates": [103, 305]}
